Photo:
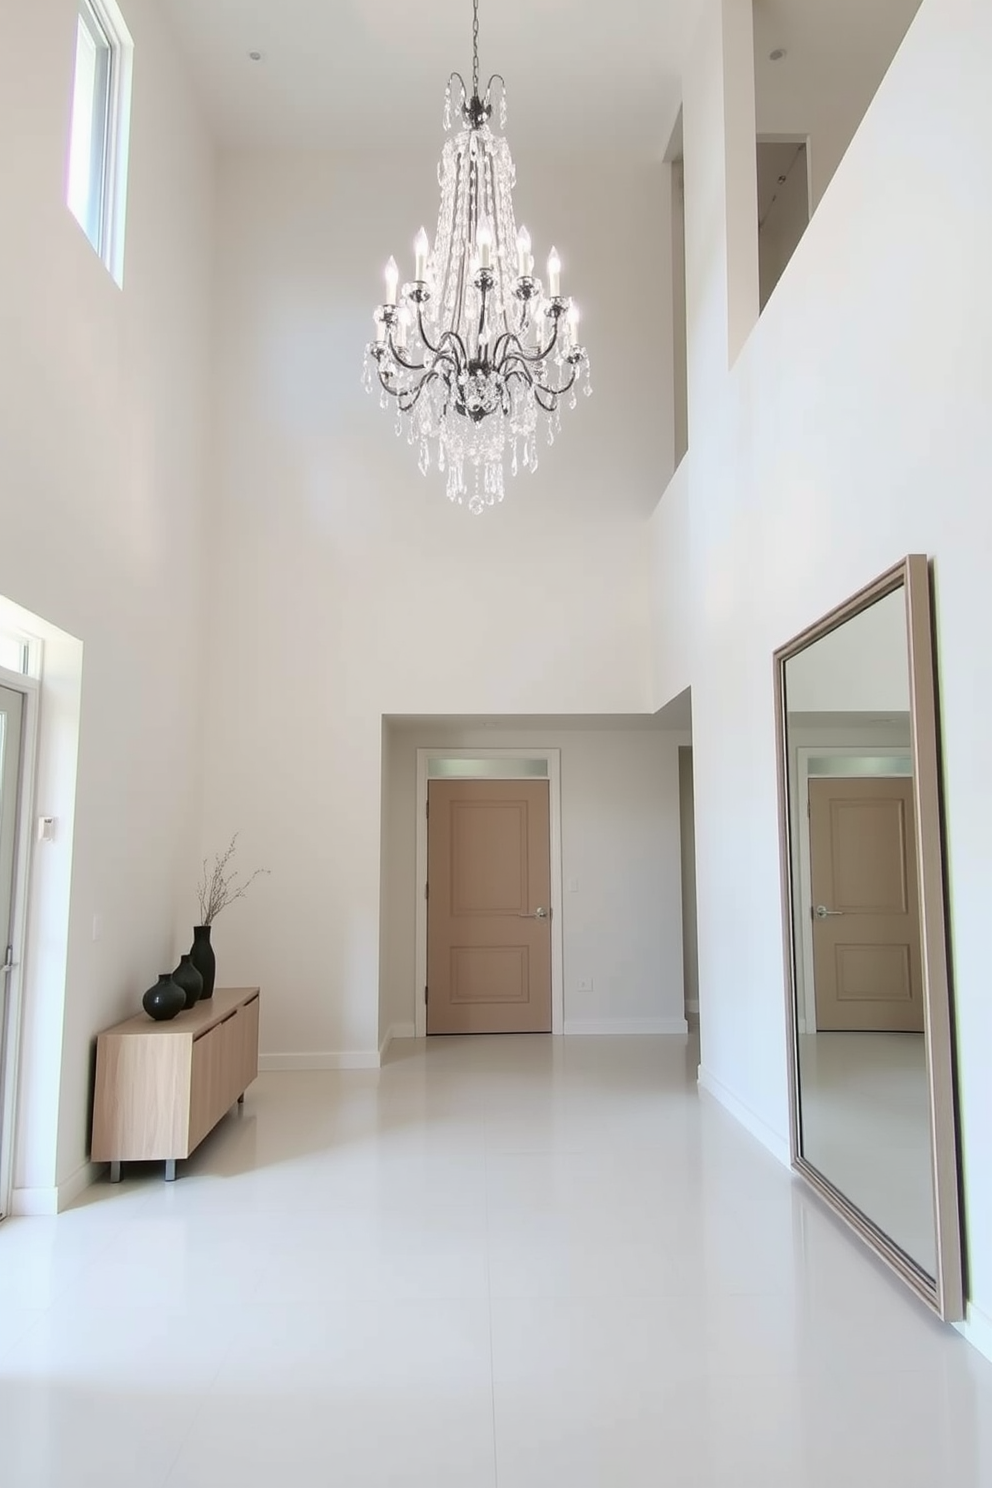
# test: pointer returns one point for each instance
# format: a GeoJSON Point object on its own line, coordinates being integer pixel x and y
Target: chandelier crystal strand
{"type": "Point", "coordinates": [475, 349]}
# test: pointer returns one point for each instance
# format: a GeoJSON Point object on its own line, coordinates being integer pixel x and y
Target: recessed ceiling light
{"type": "Point", "coordinates": [777, 54]}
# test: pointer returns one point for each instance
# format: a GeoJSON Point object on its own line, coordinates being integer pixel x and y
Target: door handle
{"type": "Point", "coordinates": [9, 962]}
{"type": "Point", "coordinates": [822, 912]}
{"type": "Point", "coordinates": [539, 914]}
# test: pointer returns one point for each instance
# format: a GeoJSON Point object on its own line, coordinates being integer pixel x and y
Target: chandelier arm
{"type": "Point", "coordinates": [384, 378]}
{"type": "Point", "coordinates": [459, 356]}
{"type": "Point", "coordinates": [516, 348]}
{"type": "Point", "coordinates": [558, 392]}
{"type": "Point", "coordinates": [402, 361]}
{"type": "Point", "coordinates": [523, 364]}
{"type": "Point", "coordinates": [412, 396]}
{"type": "Point", "coordinates": [552, 343]}
{"type": "Point", "coordinates": [555, 394]}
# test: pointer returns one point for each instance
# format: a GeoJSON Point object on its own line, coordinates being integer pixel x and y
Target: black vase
{"type": "Point", "coordinates": [202, 956]}
{"type": "Point", "coordinates": [189, 979]}
{"type": "Point", "coordinates": [164, 1000]}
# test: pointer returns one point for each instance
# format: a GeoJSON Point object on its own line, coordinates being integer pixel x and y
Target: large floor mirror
{"type": "Point", "coordinates": [871, 1045]}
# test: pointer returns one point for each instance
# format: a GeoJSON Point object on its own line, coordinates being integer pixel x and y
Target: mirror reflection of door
{"type": "Point", "coordinates": [866, 924]}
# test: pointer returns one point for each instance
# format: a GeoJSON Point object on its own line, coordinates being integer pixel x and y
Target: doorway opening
{"type": "Point", "coordinates": [18, 717]}
{"type": "Point", "coordinates": [783, 208]}
{"type": "Point", "coordinates": [690, 941]}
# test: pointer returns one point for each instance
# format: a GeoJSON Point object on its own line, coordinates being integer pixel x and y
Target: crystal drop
{"type": "Point", "coordinates": [383, 400]}
{"type": "Point", "coordinates": [573, 401]}
{"type": "Point", "coordinates": [399, 427]}
{"type": "Point", "coordinates": [502, 109]}
{"type": "Point", "coordinates": [588, 389]}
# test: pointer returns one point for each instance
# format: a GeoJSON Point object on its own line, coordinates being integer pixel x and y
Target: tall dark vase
{"type": "Point", "coordinates": [165, 1000]}
{"type": "Point", "coordinates": [202, 956]}
{"type": "Point", "coordinates": [189, 979]}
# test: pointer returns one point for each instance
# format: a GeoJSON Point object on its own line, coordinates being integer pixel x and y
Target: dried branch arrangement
{"type": "Point", "coordinates": [221, 885]}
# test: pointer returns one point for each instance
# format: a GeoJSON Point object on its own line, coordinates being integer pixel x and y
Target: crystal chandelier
{"type": "Point", "coordinates": [475, 348]}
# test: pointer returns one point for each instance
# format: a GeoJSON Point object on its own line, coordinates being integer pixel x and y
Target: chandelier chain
{"type": "Point", "coordinates": [475, 48]}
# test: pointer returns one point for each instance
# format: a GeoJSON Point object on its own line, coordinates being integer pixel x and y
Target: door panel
{"type": "Point", "coordinates": [866, 947]}
{"type": "Point", "coordinates": [489, 872]}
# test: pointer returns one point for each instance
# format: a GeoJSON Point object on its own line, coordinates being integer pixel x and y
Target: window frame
{"type": "Point", "coordinates": [106, 207]}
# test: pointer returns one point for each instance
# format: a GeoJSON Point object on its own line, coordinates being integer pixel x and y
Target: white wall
{"type": "Point", "coordinates": [345, 587]}
{"type": "Point", "coordinates": [103, 405]}
{"type": "Point", "coordinates": [851, 430]}
{"type": "Point", "coordinates": [621, 926]}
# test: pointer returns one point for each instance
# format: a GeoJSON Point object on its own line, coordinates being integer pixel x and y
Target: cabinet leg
{"type": "Point", "coordinates": [170, 1170]}
{"type": "Point", "coordinates": [241, 1099]}
{"type": "Point", "coordinates": [115, 1172]}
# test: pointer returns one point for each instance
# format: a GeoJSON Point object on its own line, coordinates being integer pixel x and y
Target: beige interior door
{"type": "Point", "coordinates": [488, 907]}
{"type": "Point", "coordinates": [866, 919]}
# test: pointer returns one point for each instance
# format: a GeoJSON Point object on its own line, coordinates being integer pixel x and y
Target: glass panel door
{"type": "Point", "coordinates": [11, 726]}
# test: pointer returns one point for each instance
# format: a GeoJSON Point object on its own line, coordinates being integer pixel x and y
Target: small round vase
{"type": "Point", "coordinates": [189, 979]}
{"type": "Point", "coordinates": [164, 1000]}
{"type": "Point", "coordinates": [201, 954]}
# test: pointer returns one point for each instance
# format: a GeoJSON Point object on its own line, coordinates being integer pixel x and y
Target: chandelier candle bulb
{"type": "Point", "coordinates": [554, 273]}
{"type": "Point", "coordinates": [484, 243]}
{"type": "Point", "coordinates": [572, 327]}
{"type": "Point", "coordinates": [421, 248]}
{"type": "Point", "coordinates": [392, 281]}
{"type": "Point", "coordinates": [525, 259]}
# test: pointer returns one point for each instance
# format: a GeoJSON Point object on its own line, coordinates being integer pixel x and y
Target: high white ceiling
{"type": "Point", "coordinates": [580, 73]}
{"type": "Point", "coordinates": [373, 72]}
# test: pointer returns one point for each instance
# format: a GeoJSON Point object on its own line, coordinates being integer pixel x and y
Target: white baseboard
{"type": "Point", "coordinates": [625, 1026]}
{"type": "Point", "coordinates": [347, 1059]}
{"type": "Point", "coordinates": [35, 1203]}
{"type": "Point", "coordinates": [766, 1135]}
{"type": "Point", "coordinates": [977, 1329]}
{"type": "Point", "coordinates": [396, 1031]}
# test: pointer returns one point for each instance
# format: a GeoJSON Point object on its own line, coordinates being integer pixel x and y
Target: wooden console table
{"type": "Point", "coordinates": [161, 1087]}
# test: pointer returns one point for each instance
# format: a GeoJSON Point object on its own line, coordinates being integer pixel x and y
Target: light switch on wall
{"type": "Point", "coordinates": [572, 885]}
{"type": "Point", "coordinates": [585, 985]}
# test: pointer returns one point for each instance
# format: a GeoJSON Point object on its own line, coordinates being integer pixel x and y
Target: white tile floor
{"type": "Point", "coordinates": [531, 1263]}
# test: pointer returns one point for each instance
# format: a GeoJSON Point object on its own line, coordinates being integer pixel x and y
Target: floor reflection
{"type": "Point", "coordinates": [866, 1128]}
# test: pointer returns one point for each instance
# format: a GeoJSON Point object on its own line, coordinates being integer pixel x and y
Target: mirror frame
{"type": "Point", "coordinates": [944, 1292]}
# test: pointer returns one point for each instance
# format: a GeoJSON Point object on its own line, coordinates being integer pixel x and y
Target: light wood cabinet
{"type": "Point", "coordinates": [161, 1087]}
